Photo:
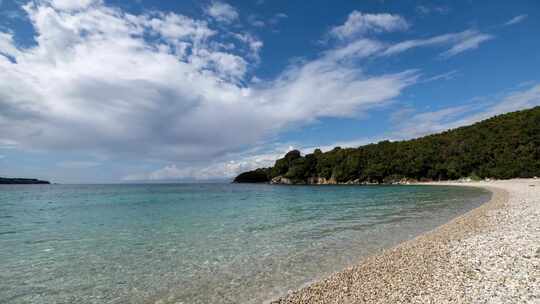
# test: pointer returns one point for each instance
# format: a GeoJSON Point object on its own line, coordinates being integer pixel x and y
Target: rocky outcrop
{"type": "Point", "coordinates": [316, 180]}
{"type": "Point", "coordinates": [280, 180]}
{"type": "Point", "coordinates": [321, 181]}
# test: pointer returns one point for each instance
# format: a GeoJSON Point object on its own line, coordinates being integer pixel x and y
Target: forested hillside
{"type": "Point", "coordinates": [504, 146]}
{"type": "Point", "coordinates": [17, 181]}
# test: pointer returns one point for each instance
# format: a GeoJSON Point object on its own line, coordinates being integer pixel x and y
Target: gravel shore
{"type": "Point", "coordinates": [488, 255]}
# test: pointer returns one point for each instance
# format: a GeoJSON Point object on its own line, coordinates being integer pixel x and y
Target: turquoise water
{"type": "Point", "coordinates": [200, 243]}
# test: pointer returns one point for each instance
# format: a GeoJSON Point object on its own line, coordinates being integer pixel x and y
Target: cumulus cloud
{"type": "Point", "coordinates": [459, 42]}
{"type": "Point", "coordinates": [516, 19]}
{"type": "Point", "coordinates": [222, 12]}
{"type": "Point", "coordinates": [252, 42]}
{"type": "Point", "coordinates": [215, 170]}
{"type": "Point", "coordinates": [7, 46]}
{"type": "Point", "coordinates": [168, 87]}
{"type": "Point", "coordinates": [165, 86]}
{"type": "Point", "coordinates": [409, 124]}
{"type": "Point", "coordinates": [359, 23]}
{"type": "Point", "coordinates": [237, 163]}
{"type": "Point", "coordinates": [73, 5]}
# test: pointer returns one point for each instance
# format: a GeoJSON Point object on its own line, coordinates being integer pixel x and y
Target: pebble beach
{"type": "Point", "coordinates": [488, 255]}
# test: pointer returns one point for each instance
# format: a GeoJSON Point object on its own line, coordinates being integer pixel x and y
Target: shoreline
{"type": "Point", "coordinates": [455, 262]}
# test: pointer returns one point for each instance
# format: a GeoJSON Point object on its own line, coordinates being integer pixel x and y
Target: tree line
{"type": "Point", "coordinates": [502, 147]}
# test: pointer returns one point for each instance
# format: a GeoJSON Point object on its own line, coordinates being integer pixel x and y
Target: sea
{"type": "Point", "coordinates": [202, 243]}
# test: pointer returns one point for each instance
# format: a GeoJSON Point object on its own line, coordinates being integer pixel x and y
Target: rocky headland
{"type": "Point", "coordinates": [21, 181]}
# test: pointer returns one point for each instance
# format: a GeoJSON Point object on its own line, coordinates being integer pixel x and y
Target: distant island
{"type": "Point", "coordinates": [502, 147]}
{"type": "Point", "coordinates": [23, 181]}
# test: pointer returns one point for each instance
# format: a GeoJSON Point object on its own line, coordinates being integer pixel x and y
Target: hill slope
{"type": "Point", "coordinates": [21, 181]}
{"type": "Point", "coordinates": [504, 146]}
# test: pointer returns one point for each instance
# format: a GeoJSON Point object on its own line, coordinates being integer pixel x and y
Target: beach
{"type": "Point", "coordinates": [488, 255]}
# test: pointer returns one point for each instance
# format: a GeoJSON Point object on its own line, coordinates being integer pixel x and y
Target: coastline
{"type": "Point", "coordinates": [487, 254]}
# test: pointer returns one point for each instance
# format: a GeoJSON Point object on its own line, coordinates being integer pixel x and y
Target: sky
{"type": "Point", "coordinates": [111, 91]}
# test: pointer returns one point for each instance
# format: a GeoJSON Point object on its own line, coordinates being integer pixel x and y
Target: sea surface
{"type": "Point", "coordinates": [201, 243]}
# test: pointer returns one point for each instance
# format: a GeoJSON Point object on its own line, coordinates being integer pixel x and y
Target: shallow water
{"type": "Point", "coordinates": [201, 243]}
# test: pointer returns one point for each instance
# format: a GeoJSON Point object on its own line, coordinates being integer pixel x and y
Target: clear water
{"type": "Point", "coordinates": [200, 243]}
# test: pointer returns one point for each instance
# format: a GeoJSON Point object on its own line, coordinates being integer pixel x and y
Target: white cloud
{"type": "Point", "coordinates": [255, 21]}
{"type": "Point", "coordinates": [426, 10]}
{"type": "Point", "coordinates": [420, 124]}
{"type": "Point", "coordinates": [218, 170]}
{"type": "Point", "coordinates": [277, 18]}
{"type": "Point", "coordinates": [7, 143]}
{"type": "Point", "coordinates": [514, 101]}
{"type": "Point", "coordinates": [222, 12]}
{"type": "Point", "coordinates": [70, 5]}
{"type": "Point", "coordinates": [358, 24]}
{"type": "Point", "coordinates": [165, 86]}
{"type": "Point", "coordinates": [444, 76]}
{"type": "Point", "coordinates": [360, 48]}
{"type": "Point", "coordinates": [254, 44]}
{"type": "Point", "coordinates": [228, 169]}
{"type": "Point", "coordinates": [7, 46]}
{"type": "Point", "coordinates": [516, 19]}
{"type": "Point", "coordinates": [325, 87]}
{"type": "Point", "coordinates": [469, 43]}
{"type": "Point", "coordinates": [176, 27]}
{"type": "Point", "coordinates": [424, 123]}
{"type": "Point", "coordinates": [460, 42]}
{"type": "Point", "coordinates": [78, 164]}
{"type": "Point", "coordinates": [409, 125]}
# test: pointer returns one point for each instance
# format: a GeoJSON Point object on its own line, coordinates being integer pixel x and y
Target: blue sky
{"type": "Point", "coordinates": [123, 91]}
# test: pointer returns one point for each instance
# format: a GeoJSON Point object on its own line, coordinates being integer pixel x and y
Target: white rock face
{"type": "Point", "coordinates": [280, 180]}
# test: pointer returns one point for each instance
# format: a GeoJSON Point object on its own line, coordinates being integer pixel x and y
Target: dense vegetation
{"type": "Point", "coordinates": [504, 146]}
{"type": "Point", "coordinates": [255, 176]}
{"type": "Point", "coordinates": [14, 181]}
